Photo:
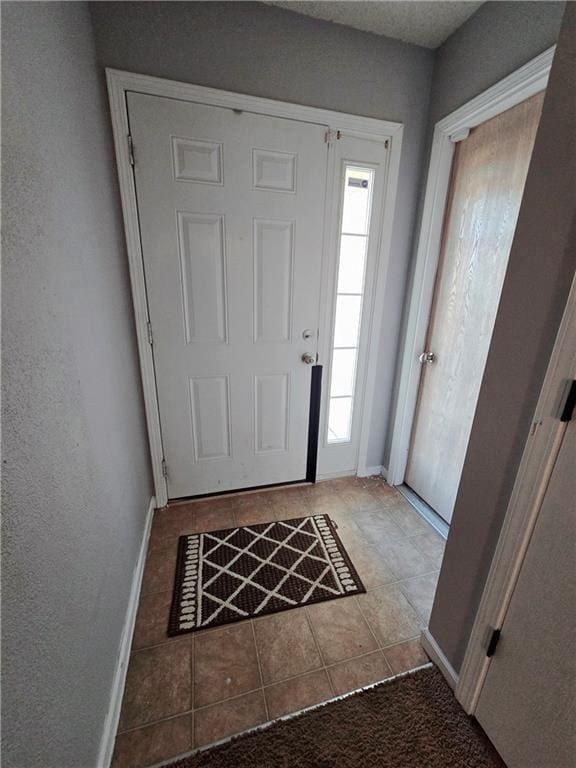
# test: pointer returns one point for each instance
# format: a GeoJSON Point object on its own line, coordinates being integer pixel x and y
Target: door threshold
{"type": "Point", "coordinates": [237, 492]}
{"type": "Point", "coordinates": [425, 510]}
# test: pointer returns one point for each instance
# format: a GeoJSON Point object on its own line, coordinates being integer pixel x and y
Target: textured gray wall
{"type": "Point", "coordinates": [498, 39]}
{"type": "Point", "coordinates": [76, 477]}
{"type": "Point", "coordinates": [540, 270]}
{"type": "Point", "coordinates": [266, 51]}
{"type": "Point", "coordinates": [76, 474]}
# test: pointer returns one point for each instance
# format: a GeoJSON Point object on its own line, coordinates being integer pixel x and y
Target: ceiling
{"type": "Point", "coordinates": [423, 23]}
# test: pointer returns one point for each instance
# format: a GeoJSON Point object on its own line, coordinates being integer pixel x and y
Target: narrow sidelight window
{"type": "Point", "coordinates": [353, 247]}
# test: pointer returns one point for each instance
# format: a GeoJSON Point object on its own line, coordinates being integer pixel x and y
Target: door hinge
{"type": "Point", "coordinates": [150, 334]}
{"type": "Point", "coordinates": [492, 642]}
{"type": "Point", "coordinates": [164, 469]}
{"type": "Point", "coordinates": [130, 149]}
{"type": "Point", "coordinates": [569, 403]}
{"type": "Point", "coordinates": [386, 144]}
{"type": "Point", "coordinates": [332, 135]}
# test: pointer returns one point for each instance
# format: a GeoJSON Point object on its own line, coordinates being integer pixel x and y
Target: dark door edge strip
{"type": "Point", "coordinates": [314, 423]}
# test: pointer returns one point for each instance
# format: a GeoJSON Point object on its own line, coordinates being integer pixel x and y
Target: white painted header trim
{"type": "Point", "coordinates": [520, 85]}
{"type": "Point", "coordinates": [158, 86]}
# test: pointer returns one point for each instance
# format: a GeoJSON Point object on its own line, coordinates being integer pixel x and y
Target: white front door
{"type": "Point", "coordinates": [231, 210]}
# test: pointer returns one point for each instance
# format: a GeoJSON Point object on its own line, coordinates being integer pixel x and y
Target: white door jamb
{"type": "Point", "coordinates": [520, 85]}
{"type": "Point", "coordinates": [540, 452]}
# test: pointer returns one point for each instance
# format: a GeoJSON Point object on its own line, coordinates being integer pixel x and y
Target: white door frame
{"type": "Point", "coordinates": [119, 83]}
{"type": "Point", "coordinates": [520, 85]}
{"type": "Point", "coordinates": [369, 321]}
{"type": "Point", "coordinates": [540, 453]}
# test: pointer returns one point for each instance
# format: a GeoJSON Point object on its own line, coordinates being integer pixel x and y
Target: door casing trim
{"type": "Point", "coordinates": [540, 452]}
{"type": "Point", "coordinates": [119, 83]}
{"type": "Point", "coordinates": [507, 93]}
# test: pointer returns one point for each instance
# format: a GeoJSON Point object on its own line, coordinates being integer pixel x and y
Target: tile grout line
{"type": "Point", "coordinates": [155, 722]}
{"type": "Point", "coordinates": [320, 654]}
{"type": "Point", "coordinates": [380, 645]}
{"type": "Point", "coordinates": [370, 629]}
{"type": "Point", "coordinates": [254, 690]}
{"type": "Point", "coordinates": [260, 669]}
{"type": "Point", "coordinates": [166, 763]}
{"type": "Point", "coordinates": [166, 545]}
{"type": "Point", "coordinates": [262, 688]}
{"type": "Point", "coordinates": [355, 658]}
{"type": "Point", "coordinates": [215, 628]}
{"type": "Point", "coordinates": [400, 581]}
{"type": "Point", "coordinates": [352, 511]}
{"type": "Point", "coordinates": [420, 576]}
{"type": "Point", "coordinates": [416, 610]}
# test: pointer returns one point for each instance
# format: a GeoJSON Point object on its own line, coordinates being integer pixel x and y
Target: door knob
{"type": "Point", "coordinates": [427, 357]}
{"type": "Point", "coordinates": [308, 358]}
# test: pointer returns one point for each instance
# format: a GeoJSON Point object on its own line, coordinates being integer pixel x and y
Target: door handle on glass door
{"type": "Point", "coordinates": [427, 357]}
{"type": "Point", "coordinates": [308, 358]}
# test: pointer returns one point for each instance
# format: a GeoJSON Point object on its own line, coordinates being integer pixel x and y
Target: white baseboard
{"type": "Point", "coordinates": [436, 654]}
{"type": "Point", "coordinates": [369, 471]}
{"type": "Point", "coordinates": [113, 716]}
{"type": "Point", "coordinates": [335, 475]}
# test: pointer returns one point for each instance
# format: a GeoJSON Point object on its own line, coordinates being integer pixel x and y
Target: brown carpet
{"type": "Point", "coordinates": [252, 570]}
{"type": "Point", "coordinates": [411, 722]}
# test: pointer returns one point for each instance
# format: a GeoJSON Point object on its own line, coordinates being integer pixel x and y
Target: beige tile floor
{"type": "Point", "coordinates": [190, 691]}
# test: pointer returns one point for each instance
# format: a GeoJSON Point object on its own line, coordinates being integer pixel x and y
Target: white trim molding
{"type": "Point", "coordinates": [520, 85]}
{"type": "Point", "coordinates": [113, 716]}
{"type": "Point", "coordinates": [370, 471]}
{"type": "Point", "coordinates": [436, 654]}
{"type": "Point", "coordinates": [119, 83]}
{"type": "Point", "coordinates": [378, 297]}
{"type": "Point", "coordinates": [540, 453]}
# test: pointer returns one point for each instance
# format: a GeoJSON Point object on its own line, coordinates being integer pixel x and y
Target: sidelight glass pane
{"type": "Point", "coordinates": [357, 194]}
{"type": "Point", "coordinates": [339, 419]}
{"type": "Point", "coordinates": [353, 248]}
{"type": "Point", "coordinates": [347, 324]}
{"type": "Point", "coordinates": [352, 263]}
{"type": "Point", "coordinates": [343, 370]}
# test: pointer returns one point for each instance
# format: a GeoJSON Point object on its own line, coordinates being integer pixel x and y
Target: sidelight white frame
{"type": "Point", "coordinates": [520, 85]}
{"type": "Point", "coordinates": [119, 83]}
{"type": "Point", "coordinates": [360, 419]}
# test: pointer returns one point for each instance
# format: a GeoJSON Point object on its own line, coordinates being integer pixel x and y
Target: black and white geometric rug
{"type": "Point", "coordinates": [240, 573]}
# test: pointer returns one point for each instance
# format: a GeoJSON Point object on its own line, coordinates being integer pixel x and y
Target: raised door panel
{"type": "Point", "coordinates": [275, 171]}
{"type": "Point", "coordinates": [271, 417]}
{"type": "Point", "coordinates": [196, 160]}
{"type": "Point", "coordinates": [210, 408]}
{"type": "Point", "coordinates": [203, 267]}
{"type": "Point", "coordinates": [273, 279]}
